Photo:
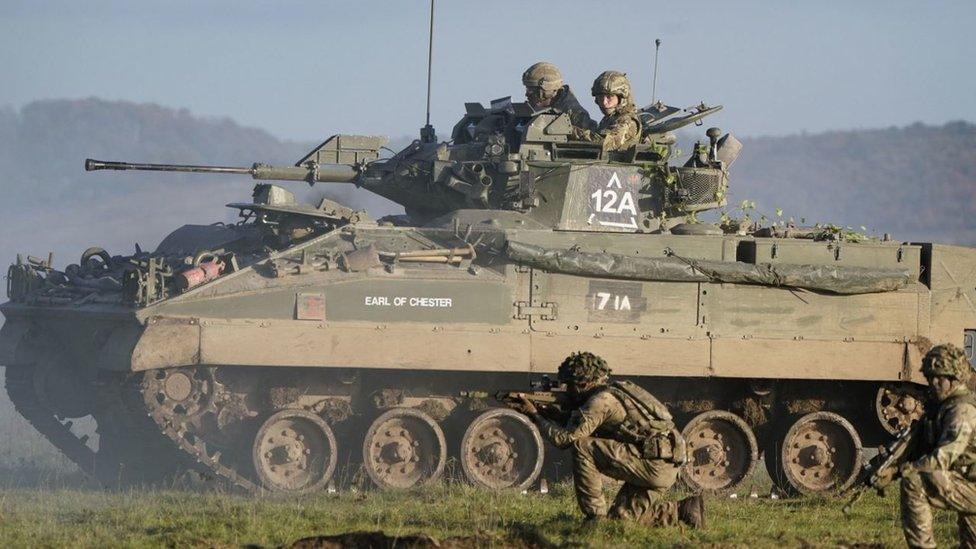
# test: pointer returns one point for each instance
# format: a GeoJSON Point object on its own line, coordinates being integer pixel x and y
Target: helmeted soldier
{"type": "Point", "coordinates": [620, 127]}
{"type": "Point", "coordinates": [944, 476]}
{"type": "Point", "coordinates": [544, 88]}
{"type": "Point", "coordinates": [619, 430]}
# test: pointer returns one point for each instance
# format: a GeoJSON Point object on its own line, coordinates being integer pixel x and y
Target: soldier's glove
{"type": "Point", "coordinates": [525, 406]}
{"type": "Point", "coordinates": [882, 479]}
{"type": "Point", "coordinates": [582, 134]}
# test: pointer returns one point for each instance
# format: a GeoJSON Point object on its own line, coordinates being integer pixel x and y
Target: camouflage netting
{"type": "Point", "coordinates": [826, 278]}
{"type": "Point", "coordinates": [583, 366]}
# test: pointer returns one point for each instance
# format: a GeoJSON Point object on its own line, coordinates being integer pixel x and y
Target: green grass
{"type": "Point", "coordinates": [45, 501]}
{"type": "Point", "coordinates": [84, 518]}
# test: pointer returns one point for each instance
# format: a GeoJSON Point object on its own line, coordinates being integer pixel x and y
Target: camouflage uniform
{"type": "Point", "coordinates": [945, 475]}
{"type": "Point", "coordinates": [605, 434]}
{"type": "Point", "coordinates": [545, 80]}
{"type": "Point", "coordinates": [566, 102]}
{"type": "Point", "coordinates": [621, 128]}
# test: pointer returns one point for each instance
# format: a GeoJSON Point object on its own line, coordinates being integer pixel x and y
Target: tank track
{"type": "Point", "coordinates": [20, 389]}
{"type": "Point", "coordinates": [132, 451]}
{"type": "Point", "coordinates": [188, 433]}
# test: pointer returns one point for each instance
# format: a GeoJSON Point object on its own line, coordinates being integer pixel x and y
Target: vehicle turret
{"type": "Point", "coordinates": [509, 157]}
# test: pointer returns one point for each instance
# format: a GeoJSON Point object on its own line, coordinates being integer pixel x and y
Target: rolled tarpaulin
{"type": "Point", "coordinates": [827, 278]}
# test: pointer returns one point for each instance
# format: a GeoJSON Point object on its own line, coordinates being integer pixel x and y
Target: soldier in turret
{"type": "Point", "coordinates": [620, 127]}
{"type": "Point", "coordinates": [544, 88]}
{"type": "Point", "coordinates": [619, 430]}
{"type": "Point", "coordinates": [945, 475]}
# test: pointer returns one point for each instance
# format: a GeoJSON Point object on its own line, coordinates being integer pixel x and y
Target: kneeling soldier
{"type": "Point", "coordinates": [945, 475]}
{"type": "Point", "coordinates": [619, 430]}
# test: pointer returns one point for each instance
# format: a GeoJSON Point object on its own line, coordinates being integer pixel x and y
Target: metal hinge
{"type": "Point", "coordinates": [546, 311]}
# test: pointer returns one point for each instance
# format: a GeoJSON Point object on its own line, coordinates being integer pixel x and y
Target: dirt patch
{"type": "Point", "coordinates": [435, 409]}
{"type": "Point", "coordinates": [695, 406]}
{"type": "Point", "coordinates": [379, 540]}
{"type": "Point", "coordinates": [922, 344]}
{"type": "Point", "coordinates": [387, 398]}
{"type": "Point", "coordinates": [751, 410]}
{"type": "Point", "coordinates": [805, 405]}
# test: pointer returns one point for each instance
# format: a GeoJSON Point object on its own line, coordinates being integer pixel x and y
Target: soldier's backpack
{"type": "Point", "coordinates": [648, 424]}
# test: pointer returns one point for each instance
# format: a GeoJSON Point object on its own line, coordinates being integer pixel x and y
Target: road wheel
{"type": "Point", "coordinates": [722, 452]}
{"type": "Point", "coordinates": [502, 449]}
{"type": "Point", "coordinates": [820, 453]}
{"type": "Point", "coordinates": [294, 451]}
{"type": "Point", "coordinates": [404, 448]}
{"type": "Point", "coordinates": [899, 406]}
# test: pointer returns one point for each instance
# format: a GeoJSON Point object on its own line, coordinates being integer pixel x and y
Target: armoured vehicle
{"type": "Point", "coordinates": [265, 352]}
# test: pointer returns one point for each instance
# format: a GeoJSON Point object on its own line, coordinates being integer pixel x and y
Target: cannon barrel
{"type": "Point", "coordinates": [309, 172]}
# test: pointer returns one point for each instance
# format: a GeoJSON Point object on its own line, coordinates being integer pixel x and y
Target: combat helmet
{"type": "Point", "coordinates": [584, 366]}
{"type": "Point", "coordinates": [543, 75]}
{"type": "Point", "coordinates": [613, 83]}
{"type": "Point", "coordinates": [946, 360]}
{"type": "Point", "coordinates": [542, 82]}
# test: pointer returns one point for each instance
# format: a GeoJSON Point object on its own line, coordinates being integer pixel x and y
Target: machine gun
{"type": "Point", "coordinates": [882, 469]}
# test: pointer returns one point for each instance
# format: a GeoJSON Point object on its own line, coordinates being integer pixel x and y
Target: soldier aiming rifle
{"type": "Point", "coordinates": [936, 458]}
{"type": "Point", "coordinates": [617, 429]}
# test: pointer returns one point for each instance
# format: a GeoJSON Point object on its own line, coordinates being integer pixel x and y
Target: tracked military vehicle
{"type": "Point", "coordinates": [263, 353]}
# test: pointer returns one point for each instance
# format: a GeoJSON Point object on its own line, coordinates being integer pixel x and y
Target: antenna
{"type": "Point", "coordinates": [657, 47]}
{"type": "Point", "coordinates": [427, 133]}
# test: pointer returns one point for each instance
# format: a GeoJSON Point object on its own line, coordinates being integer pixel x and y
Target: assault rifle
{"type": "Point", "coordinates": [882, 470]}
{"type": "Point", "coordinates": [549, 396]}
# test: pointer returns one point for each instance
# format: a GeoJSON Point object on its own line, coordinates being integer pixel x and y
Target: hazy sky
{"type": "Point", "coordinates": [307, 69]}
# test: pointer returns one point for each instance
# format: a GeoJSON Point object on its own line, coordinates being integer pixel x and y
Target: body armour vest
{"type": "Point", "coordinates": [935, 425]}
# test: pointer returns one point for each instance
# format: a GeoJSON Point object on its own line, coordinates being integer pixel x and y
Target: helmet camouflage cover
{"type": "Point", "coordinates": [612, 83]}
{"type": "Point", "coordinates": [946, 360]}
{"type": "Point", "coordinates": [543, 75]}
{"type": "Point", "coordinates": [583, 366]}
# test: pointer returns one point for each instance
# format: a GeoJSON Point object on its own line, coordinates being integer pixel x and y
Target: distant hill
{"type": "Point", "coordinates": [916, 182]}
{"type": "Point", "coordinates": [51, 204]}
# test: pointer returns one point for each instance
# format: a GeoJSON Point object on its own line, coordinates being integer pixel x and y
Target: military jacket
{"type": "Point", "coordinates": [950, 434]}
{"type": "Point", "coordinates": [616, 412]}
{"type": "Point", "coordinates": [566, 102]}
{"type": "Point", "coordinates": [617, 132]}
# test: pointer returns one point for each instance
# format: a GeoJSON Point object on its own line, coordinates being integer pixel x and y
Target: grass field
{"type": "Point", "coordinates": [90, 518]}
{"type": "Point", "coordinates": [46, 502]}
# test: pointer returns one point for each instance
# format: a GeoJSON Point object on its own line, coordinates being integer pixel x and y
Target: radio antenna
{"type": "Point", "coordinates": [427, 133]}
{"type": "Point", "coordinates": [657, 47]}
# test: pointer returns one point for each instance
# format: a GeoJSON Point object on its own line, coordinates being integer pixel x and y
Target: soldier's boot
{"type": "Point", "coordinates": [691, 511]}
